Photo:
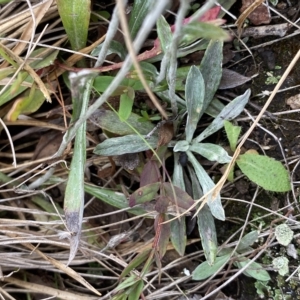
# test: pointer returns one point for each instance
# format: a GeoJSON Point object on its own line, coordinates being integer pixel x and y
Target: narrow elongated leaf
{"type": "Point", "coordinates": [178, 173]}
{"type": "Point", "coordinates": [211, 70]}
{"type": "Point", "coordinates": [230, 111]}
{"type": "Point", "coordinates": [112, 198]}
{"type": "Point", "coordinates": [207, 230]}
{"type": "Point", "coordinates": [109, 121]}
{"type": "Point", "coordinates": [207, 184]}
{"type": "Point", "coordinates": [212, 152]}
{"type": "Point", "coordinates": [134, 263]}
{"type": "Point", "coordinates": [204, 270]}
{"type": "Point", "coordinates": [265, 172]}
{"type": "Point", "coordinates": [254, 270]}
{"type": "Point", "coordinates": [136, 290]}
{"type": "Point", "coordinates": [138, 14]}
{"type": "Point", "coordinates": [178, 235]}
{"type": "Point", "coordinates": [194, 96]}
{"type": "Point", "coordinates": [125, 144]}
{"type": "Point", "coordinates": [164, 33]}
{"type": "Point", "coordinates": [81, 83]}
{"type": "Point", "coordinates": [206, 223]}
{"type": "Point", "coordinates": [162, 235]}
{"type": "Point", "coordinates": [75, 15]}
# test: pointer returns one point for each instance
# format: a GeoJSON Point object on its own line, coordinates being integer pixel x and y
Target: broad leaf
{"type": "Point", "coordinates": [232, 133]}
{"type": "Point", "coordinates": [265, 172]}
{"type": "Point", "coordinates": [204, 270]}
{"type": "Point", "coordinates": [247, 240]}
{"type": "Point", "coordinates": [126, 103]}
{"type": "Point", "coordinates": [125, 144]}
{"type": "Point", "coordinates": [194, 96]}
{"type": "Point", "coordinates": [181, 146]}
{"type": "Point", "coordinates": [212, 152]}
{"type": "Point", "coordinates": [230, 111]}
{"type": "Point", "coordinates": [254, 270]}
{"type": "Point", "coordinates": [136, 290]}
{"type": "Point", "coordinates": [164, 33]}
{"type": "Point", "coordinates": [178, 196]}
{"type": "Point", "coordinates": [144, 194]}
{"type": "Point", "coordinates": [76, 27]}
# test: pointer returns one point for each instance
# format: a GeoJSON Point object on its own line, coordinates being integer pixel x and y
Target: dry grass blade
{"type": "Point", "coordinates": [240, 21]}
{"type": "Point", "coordinates": [37, 288]}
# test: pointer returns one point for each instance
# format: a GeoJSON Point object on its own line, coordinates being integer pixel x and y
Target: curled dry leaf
{"type": "Point", "coordinates": [294, 101]}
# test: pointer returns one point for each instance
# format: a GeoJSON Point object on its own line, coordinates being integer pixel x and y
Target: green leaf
{"type": "Point", "coordinates": [211, 151]}
{"type": "Point", "coordinates": [230, 111]}
{"type": "Point", "coordinates": [211, 70]}
{"type": "Point", "coordinates": [112, 198]}
{"type": "Point", "coordinates": [208, 234]}
{"type": "Point", "coordinates": [197, 30]}
{"type": "Point", "coordinates": [31, 102]}
{"type": "Point", "coordinates": [75, 16]}
{"type": "Point", "coordinates": [128, 282]}
{"type": "Point", "coordinates": [194, 96]}
{"type": "Point", "coordinates": [81, 84]}
{"type": "Point", "coordinates": [136, 290]}
{"type": "Point", "coordinates": [125, 144]}
{"type": "Point", "coordinates": [102, 82]}
{"type": "Point", "coordinates": [114, 48]}
{"type": "Point", "coordinates": [205, 270]}
{"type": "Point", "coordinates": [43, 58]}
{"type": "Point", "coordinates": [207, 184]}
{"type": "Point", "coordinates": [181, 146]}
{"type": "Point", "coordinates": [254, 270]}
{"type": "Point", "coordinates": [109, 121]}
{"type": "Point", "coordinates": [126, 103]}
{"type": "Point", "coordinates": [247, 241]}
{"type": "Point", "coordinates": [178, 173]}
{"type": "Point", "coordinates": [138, 14]}
{"type": "Point", "coordinates": [164, 33]}
{"type": "Point", "coordinates": [265, 172]}
{"type": "Point", "coordinates": [144, 194]}
{"type": "Point", "coordinates": [178, 235]}
{"type": "Point", "coordinates": [134, 263]}
{"type": "Point", "coordinates": [232, 133]}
